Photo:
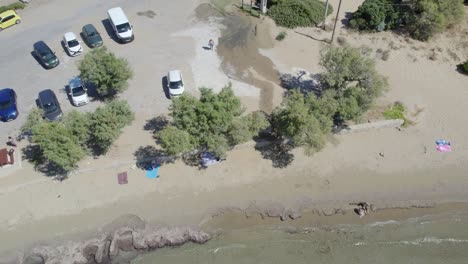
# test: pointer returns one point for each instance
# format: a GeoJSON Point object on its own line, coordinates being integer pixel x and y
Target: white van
{"type": "Point", "coordinates": [119, 21]}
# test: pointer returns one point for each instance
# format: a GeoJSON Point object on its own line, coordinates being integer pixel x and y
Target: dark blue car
{"type": "Point", "coordinates": [8, 108]}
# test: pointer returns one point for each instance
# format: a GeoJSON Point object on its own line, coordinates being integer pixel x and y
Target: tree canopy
{"type": "Point", "coordinates": [109, 73]}
{"type": "Point", "coordinates": [212, 123]}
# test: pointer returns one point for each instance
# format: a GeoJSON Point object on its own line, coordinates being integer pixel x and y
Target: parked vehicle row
{"type": "Point", "coordinates": [76, 89]}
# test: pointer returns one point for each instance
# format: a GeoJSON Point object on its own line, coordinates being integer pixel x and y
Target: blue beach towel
{"type": "Point", "coordinates": [152, 173]}
{"type": "Point", "coordinates": [441, 142]}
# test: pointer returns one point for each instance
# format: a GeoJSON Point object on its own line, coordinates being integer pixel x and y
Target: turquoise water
{"type": "Point", "coordinates": [426, 240]}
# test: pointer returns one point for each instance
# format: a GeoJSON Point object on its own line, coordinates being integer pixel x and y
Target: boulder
{"type": "Point", "coordinates": [275, 210]}
{"type": "Point", "coordinates": [90, 249]}
{"type": "Point", "coordinates": [139, 240]}
{"type": "Point", "coordinates": [197, 236]}
{"type": "Point", "coordinates": [34, 259]}
{"type": "Point", "coordinates": [102, 254]}
{"type": "Point", "coordinates": [176, 236]}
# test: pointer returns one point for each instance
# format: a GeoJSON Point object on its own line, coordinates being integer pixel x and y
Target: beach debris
{"type": "Point", "coordinates": [381, 154]}
{"type": "Point", "coordinates": [443, 145]}
{"type": "Point", "coordinates": [122, 178]}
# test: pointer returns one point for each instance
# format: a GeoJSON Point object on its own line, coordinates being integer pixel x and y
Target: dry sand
{"type": "Point", "coordinates": [349, 169]}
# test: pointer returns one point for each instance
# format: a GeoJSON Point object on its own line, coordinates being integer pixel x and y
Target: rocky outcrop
{"type": "Point", "coordinates": [112, 246]}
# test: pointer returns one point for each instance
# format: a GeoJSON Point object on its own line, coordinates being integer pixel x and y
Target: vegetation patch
{"type": "Point", "coordinates": [282, 35]}
{"type": "Point", "coordinates": [397, 111]}
{"type": "Point", "coordinates": [14, 6]}
{"type": "Point", "coordinates": [463, 67]}
{"type": "Point", "coordinates": [420, 18]}
{"type": "Point", "coordinates": [298, 13]}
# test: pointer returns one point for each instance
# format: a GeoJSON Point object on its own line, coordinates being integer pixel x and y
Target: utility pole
{"type": "Point", "coordinates": [336, 20]}
{"type": "Point", "coordinates": [325, 15]}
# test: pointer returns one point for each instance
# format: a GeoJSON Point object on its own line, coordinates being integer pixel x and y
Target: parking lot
{"type": "Point", "coordinates": [156, 49]}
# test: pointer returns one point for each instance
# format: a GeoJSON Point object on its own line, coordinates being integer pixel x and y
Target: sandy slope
{"type": "Point", "coordinates": [348, 169]}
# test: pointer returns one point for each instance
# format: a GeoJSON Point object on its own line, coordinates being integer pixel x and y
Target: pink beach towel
{"type": "Point", "coordinates": [122, 178]}
{"type": "Point", "coordinates": [444, 148]}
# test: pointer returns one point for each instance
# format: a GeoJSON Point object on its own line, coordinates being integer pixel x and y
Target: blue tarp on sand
{"type": "Point", "coordinates": [152, 173]}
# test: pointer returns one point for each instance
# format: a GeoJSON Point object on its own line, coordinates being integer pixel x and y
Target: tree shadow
{"type": "Point", "coordinates": [193, 159]}
{"type": "Point", "coordinates": [278, 151]}
{"type": "Point", "coordinates": [33, 154]}
{"type": "Point", "coordinates": [145, 155]}
{"type": "Point", "coordinates": [347, 17]}
{"type": "Point", "coordinates": [303, 81]}
{"type": "Point", "coordinates": [156, 124]}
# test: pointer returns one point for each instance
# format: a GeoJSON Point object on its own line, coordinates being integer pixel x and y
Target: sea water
{"type": "Point", "coordinates": [423, 240]}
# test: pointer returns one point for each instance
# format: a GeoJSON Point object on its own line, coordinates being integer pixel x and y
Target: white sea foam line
{"type": "Point", "coordinates": [389, 222]}
{"type": "Point", "coordinates": [425, 240]}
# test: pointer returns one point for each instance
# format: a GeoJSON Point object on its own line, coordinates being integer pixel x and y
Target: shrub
{"type": "Point", "coordinates": [14, 6]}
{"type": "Point", "coordinates": [463, 67]}
{"type": "Point", "coordinates": [281, 36]}
{"type": "Point", "coordinates": [397, 111]}
{"type": "Point", "coordinates": [374, 15]}
{"type": "Point", "coordinates": [298, 13]}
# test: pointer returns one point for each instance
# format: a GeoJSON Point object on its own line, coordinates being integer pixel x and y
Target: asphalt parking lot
{"type": "Point", "coordinates": [154, 51]}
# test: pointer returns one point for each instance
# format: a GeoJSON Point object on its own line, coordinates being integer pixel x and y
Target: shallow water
{"type": "Point", "coordinates": [428, 240]}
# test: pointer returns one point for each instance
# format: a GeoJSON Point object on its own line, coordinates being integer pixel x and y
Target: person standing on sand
{"type": "Point", "coordinates": [211, 44]}
{"type": "Point", "coordinates": [11, 142]}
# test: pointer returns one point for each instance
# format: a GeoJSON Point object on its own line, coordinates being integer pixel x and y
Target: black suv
{"type": "Point", "coordinates": [50, 105]}
{"type": "Point", "coordinates": [45, 55]}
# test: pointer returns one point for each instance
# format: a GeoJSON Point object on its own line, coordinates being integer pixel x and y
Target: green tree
{"type": "Point", "coordinates": [57, 145]}
{"type": "Point", "coordinates": [298, 13]}
{"type": "Point", "coordinates": [109, 73]}
{"type": "Point", "coordinates": [106, 124]}
{"type": "Point", "coordinates": [78, 126]}
{"type": "Point", "coordinates": [298, 119]}
{"type": "Point", "coordinates": [212, 123]}
{"type": "Point", "coordinates": [353, 77]}
{"type": "Point", "coordinates": [35, 117]}
{"type": "Point", "coordinates": [175, 141]}
{"type": "Point", "coordinates": [375, 15]}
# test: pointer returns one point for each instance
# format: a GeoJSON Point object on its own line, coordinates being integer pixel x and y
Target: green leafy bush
{"type": "Point", "coordinates": [281, 36]}
{"type": "Point", "coordinates": [298, 13]}
{"type": "Point", "coordinates": [397, 111]}
{"type": "Point", "coordinates": [463, 67]}
{"type": "Point", "coordinates": [14, 6]}
{"type": "Point", "coordinates": [374, 15]}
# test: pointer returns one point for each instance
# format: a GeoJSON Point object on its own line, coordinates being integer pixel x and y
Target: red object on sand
{"type": "Point", "coordinates": [6, 157]}
{"type": "Point", "coordinates": [122, 178]}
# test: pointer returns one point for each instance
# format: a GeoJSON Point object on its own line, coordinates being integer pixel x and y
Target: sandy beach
{"type": "Point", "coordinates": [36, 209]}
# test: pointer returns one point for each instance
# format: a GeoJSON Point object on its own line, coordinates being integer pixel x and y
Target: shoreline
{"type": "Point", "coordinates": [117, 236]}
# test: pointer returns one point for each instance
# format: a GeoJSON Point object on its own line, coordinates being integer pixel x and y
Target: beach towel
{"type": "Point", "coordinates": [444, 148]}
{"type": "Point", "coordinates": [152, 173]}
{"type": "Point", "coordinates": [122, 178]}
{"type": "Point", "coordinates": [440, 142]}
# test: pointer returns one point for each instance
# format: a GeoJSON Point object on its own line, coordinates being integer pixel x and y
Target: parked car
{"type": "Point", "coordinates": [45, 55]}
{"type": "Point", "coordinates": [8, 107]}
{"type": "Point", "coordinates": [120, 24]}
{"type": "Point", "coordinates": [175, 83]}
{"type": "Point", "coordinates": [72, 44]}
{"type": "Point", "coordinates": [91, 36]}
{"type": "Point", "coordinates": [8, 19]}
{"type": "Point", "coordinates": [50, 105]}
{"type": "Point", "coordinates": [78, 92]}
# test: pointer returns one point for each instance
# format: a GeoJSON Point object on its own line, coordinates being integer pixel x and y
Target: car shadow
{"type": "Point", "coordinates": [165, 88]}
{"type": "Point", "coordinates": [38, 60]}
{"type": "Point", "coordinates": [64, 48]}
{"type": "Point", "coordinates": [84, 40]}
{"type": "Point", "coordinates": [110, 32]}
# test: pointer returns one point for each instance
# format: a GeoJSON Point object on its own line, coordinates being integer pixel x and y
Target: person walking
{"type": "Point", "coordinates": [211, 44]}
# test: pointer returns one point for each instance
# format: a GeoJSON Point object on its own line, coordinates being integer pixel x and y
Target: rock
{"type": "Point", "coordinates": [139, 240]}
{"type": "Point", "coordinates": [34, 259]}
{"type": "Point", "coordinates": [155, 240]}
{"type": "Point", "coordinates": [295, 215]}
{"type": "Point", "coordinates": [275, 210]}
{"type": "Point", "coordinates": [197, 236]}
{"type": "Point", "coordinates": [102, 254]}
{"type": "Point", "coordinates": [176, 236]}
{"type": "Point", "coordinates": [90, 249]}
{"type": "Point", "coordinates": [329, 211]}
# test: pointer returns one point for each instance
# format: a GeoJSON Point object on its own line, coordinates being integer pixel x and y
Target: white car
{"type": "Point", "coordinates": [175, 83]}
{"type": "Point", "coordinates": [78, 92]}
{"type": "Point", "coordinates": [72, 44]}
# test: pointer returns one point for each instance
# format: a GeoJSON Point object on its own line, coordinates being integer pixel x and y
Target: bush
{"type": "Point", "coordinates": [14, 6]}
{"type": "Point", "coordinates": [463, 67]}
{"type": "Point", "coordinates": [298, 13]}
{"type": "Point", "coordinates": [281, 36]}
{"type": "Point", "coordinates": [397, 111]}
{"type": "Point", "coordinates": [374, 15]}
{"type": "Point", "coordinates": [109, 73]}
